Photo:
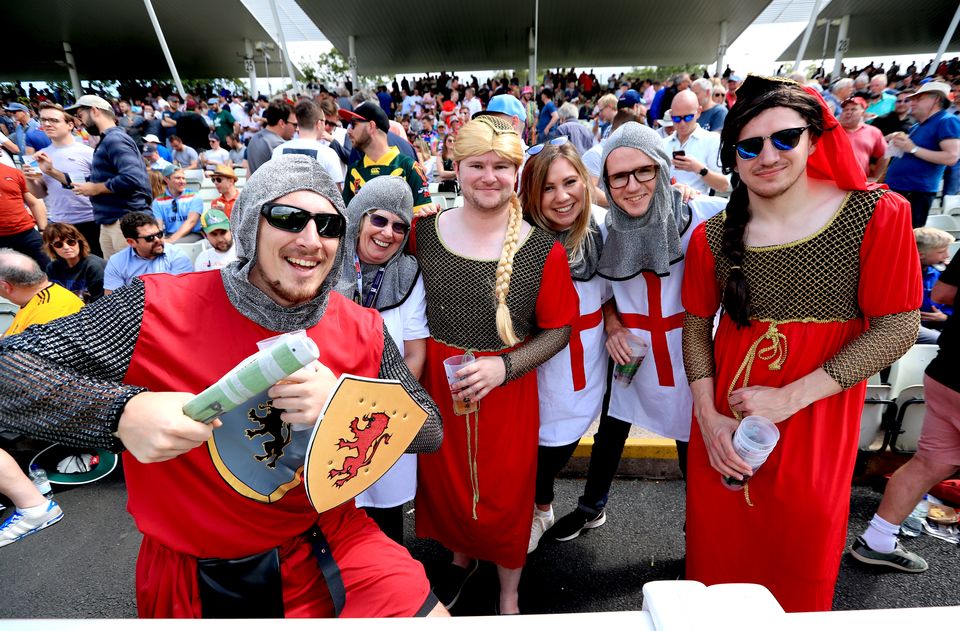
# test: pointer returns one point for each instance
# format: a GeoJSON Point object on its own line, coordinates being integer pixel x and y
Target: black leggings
{"type": "Point", "coordinates": [550, 462]}
{"type": "Point", "coordinates": [390, 521]}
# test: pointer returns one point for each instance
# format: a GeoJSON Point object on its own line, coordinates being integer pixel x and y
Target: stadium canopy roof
{"type": "Point", "coordinates": [113, 39]}
{"type": "Point", "coordinates": [882, 28]}
{"type": "Point", "coordinates": [421, 35]}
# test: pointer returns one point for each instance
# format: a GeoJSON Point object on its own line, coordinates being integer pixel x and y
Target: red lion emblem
{"type": "Point", "coordinates": [367, 441]}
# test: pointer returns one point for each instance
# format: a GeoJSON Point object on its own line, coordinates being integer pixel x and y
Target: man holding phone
{"type": "Point", "coordinates": [695, 151]}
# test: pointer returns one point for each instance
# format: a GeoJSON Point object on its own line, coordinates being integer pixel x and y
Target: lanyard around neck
{"type": "Point", "coordinates": [371, 298]}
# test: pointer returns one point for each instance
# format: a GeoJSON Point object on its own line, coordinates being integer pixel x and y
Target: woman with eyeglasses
{"type": "Point", "coordinates": [71, 264]}
{"type": "Point", "coordinates": [555, 196]}
{"type": "Point", "coordinates": [818, 280]}
{"type": "Point", "coordinates": [379, 275]}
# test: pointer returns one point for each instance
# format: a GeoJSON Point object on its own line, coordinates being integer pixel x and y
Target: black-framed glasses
{"type": "Point", "coordinates": [290, 122]}
{"type": "Point", "coordinates": [559, 140]}
{"type": "Point", "coordinates": [292, 219]}
{"type": "Point", "coordinates": [150, 238]}
{"type": "Point", "coordinates": [686, 118]}
{"type": "Point", "coordinates": [59, 244]}
{"type": "Point", "coordinates": [51, 121]}
{"type": "Point", "coordinates": [641, 175]}
{"type": "Point", "coordinates": [783, 140]}
{"type": "Point", "coordinates": [379, 221]}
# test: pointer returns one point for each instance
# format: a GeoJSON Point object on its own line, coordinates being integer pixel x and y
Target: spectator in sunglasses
{"type": "Point", "coordinates": [900, 119]}
{"type": "Point", "coordinates": [379, 275]}
{"type": "Point", "coordinates": [819, 281]}
{"type": "Point", "coordinates": [71, 263]}
{"type": "Point", "coordinates": [123, 386]}
{"type": "Point", "coordinates": [225, 181]}
{"type": "Point", "coordinates": [145, 253]}
{"type": "Point", "coordinates": [695, 151]}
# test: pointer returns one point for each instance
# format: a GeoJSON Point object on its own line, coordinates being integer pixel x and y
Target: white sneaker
{"type": "Point", "coordinates": [542, 521]}
{"type": "Point", "coordinates": [18, 525]}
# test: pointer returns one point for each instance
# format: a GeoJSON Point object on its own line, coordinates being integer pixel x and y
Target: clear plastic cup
{"type": "Point", "coordinates": [753, 441]}
{"type": "Point", "coordinates": [450, 366]}
{"type": "Point", "coordinates": [623, 374]}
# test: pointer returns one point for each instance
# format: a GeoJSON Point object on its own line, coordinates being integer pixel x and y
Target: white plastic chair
{"type": "Point", "coordinates": [875, 408]}
{"type": "Point", "coordinates": [911, 407]}
{"type": "Point", "coordinates": [908, 370]}
{"type": "Point", "coordinates": [192, 250]}
{"type": "Point", "coordinates": [943, 222]}
{"type": "Point", "coordinates": [208, 195]}
{"type": "Point", "coordinates": [951, 205]}
{"type": "Point", "coordinates": [434, 188]}
{"type": "Point", "coordinates": [953, 248]}
{"type": "Point", "coordinates": [458, 201]}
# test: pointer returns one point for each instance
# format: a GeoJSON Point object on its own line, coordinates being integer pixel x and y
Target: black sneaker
{"type": "Point", "coordinates": [571, 525]}
{"type": "Point", "coordinates": [900, 559]}
{"type": "Point", "coordinates": [450, 583]}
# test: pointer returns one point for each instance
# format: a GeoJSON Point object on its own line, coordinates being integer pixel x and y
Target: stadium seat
{"type": "Point", "coordinates": [905, 432]}
{"type": "Point", "coordinates": [873, 434]}
{"type": "Point", "coordinates": [240, 172]}
{"type": "Point", "coordinates": [952, 248]}
{"type": "Point", "coordinates": [951, 205]}
{"type": "Point", "coordinates": [192, 250]}
{"type": "Point", "coordinates": [943, 222]}
{"type": "Point", "coordinates": [457, 202]}
{"type": "Point", "coordinates": [434, 188]}
{"type": "Point", "coordinates": [194, 176]}
{"type": "Point", "coordinates": [7, 311]}
{"type": "Point", "coordinates": [208, 195]}
{"type": "Point", "coordinates": [908, 370]}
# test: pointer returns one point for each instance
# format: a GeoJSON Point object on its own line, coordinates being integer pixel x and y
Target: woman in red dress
{"type": "Point", "coordinates": [500, 288]}
{"type": "Point", "coordinates": [819, 282]}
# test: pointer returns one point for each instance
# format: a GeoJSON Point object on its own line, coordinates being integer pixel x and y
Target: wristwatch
{"type": "Point", "coordinates": [914, 150]}
{"type": "Point", "coordinates": [704, 171]}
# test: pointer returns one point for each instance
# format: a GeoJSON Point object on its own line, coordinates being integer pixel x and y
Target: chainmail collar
{"type": "Point", "coordinates": [281, 175]}
{"type": "Point", "coordinates": [651, 242]}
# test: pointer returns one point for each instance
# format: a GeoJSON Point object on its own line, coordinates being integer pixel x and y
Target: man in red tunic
{"type": "Point", "coordinates": [227, 528]}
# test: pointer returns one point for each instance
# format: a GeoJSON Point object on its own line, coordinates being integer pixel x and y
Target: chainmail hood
{"type": "Point", "coordinates": [281, 175]}
{"type": "Point", "coordinates": [392, 194]}
{"type": "Point", "coordinates": [647, 243]}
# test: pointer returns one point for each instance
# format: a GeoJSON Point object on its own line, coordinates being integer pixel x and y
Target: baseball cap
{"type": "Point", "coordinates": [15, 107]}
{"type": "Point", "coordinates": [225, 170]}
{"type": "Point", "coordinates": [859, 100]}
{"type": "Point", "coordinates": [213, 101]}
{"type": "Point", "coordinates": [368, 112]}
{"type": "Point", "coordinates": [932, 86]}
{"type": "Point", "coordinates": [148, 149]}
{"type": "Point", "coordinates": [734, 77]}
{"type": "Point", "coordinates": [629, 99]}
{"type": "Point", "coordinates": [89, 100]}
{"type": "Point", "coordinates": [151, 138]}
{"type": "Point", "coordinates": [170, 170]}
{"type": "Point", "coordinates": [214, 219]}
{"type": "Point", "coordinates": [504, 104]}
{"type": "Point", "coordinates": [213, 137]}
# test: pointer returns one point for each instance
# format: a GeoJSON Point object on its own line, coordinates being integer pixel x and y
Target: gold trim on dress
{"type": "Point", "coordinates": [809, 237]}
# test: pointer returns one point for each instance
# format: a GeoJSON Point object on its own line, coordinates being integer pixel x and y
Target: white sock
{"type": "Point", "coordinates": [548, 514]}
{"type": "Point", "coordinates": [35, 511]}
{"type": "Point", "coordinates": [881, 535]}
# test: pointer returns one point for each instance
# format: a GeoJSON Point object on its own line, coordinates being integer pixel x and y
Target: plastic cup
{"type": "Point", "coordinates": [753, 441]}
{"type": "Point", "coordinates": [623, 374]}
{"type": "Point", "coordinates": [450, 366]}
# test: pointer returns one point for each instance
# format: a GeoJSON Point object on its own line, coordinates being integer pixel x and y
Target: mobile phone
{"type": "Point", "coordinates": [677, 154]}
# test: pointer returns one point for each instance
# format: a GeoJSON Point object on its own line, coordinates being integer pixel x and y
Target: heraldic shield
{"type": "Point", "coordinates": [365, 427]}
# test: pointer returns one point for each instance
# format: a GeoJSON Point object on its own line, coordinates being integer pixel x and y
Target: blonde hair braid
{"type": "Point", "coordinates": [511, 243]}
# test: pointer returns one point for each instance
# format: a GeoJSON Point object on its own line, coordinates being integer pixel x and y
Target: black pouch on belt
{"type": "Point", "coordinates": [241, 588]}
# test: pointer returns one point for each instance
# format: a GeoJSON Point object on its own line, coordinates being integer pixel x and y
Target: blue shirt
{"type": "Point", "coordinates": [910, 173]}
{"type": "Point", "coordinates": [126, 265]}
{"type": "Point", "coordinates": [37, 139]}
{"type": "Point", "coordinates": [118, 165]}
{"type": "Point", "coordinates": [930, 277]}
{"type": "Point", "coordinates": [712, 119]}
{"type": "Point", "coordinates": [173, 211]}
{"type": "Point", "coordinates": [545, 114]}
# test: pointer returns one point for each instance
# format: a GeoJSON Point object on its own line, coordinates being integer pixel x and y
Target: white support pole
{"type": "Point", "coordinates": [250, 66]}
{"type": "Point", "coordinates": [166, 50]}
{"type": "Point", "coordinates": [72, 69]}
{"type": "Point", "coordinates": [283, 47]}
{"type": "Point", "coordinates": [722, 50]}
{"type": "Point", "coordinates": [806, 35]}
{"type": "Point", "coordinates": [946, 40]}
{"type": "Point", "coordinates": [352, 61]}
{"type": "Point", "coordinates": [842, 45]}
{"type": "Point", "coordinates": [532, 51]}
{"type": "Point", "coordinates": [536, 43]}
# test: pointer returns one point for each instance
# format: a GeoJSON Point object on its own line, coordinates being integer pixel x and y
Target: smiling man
{"type": "Point", "coordinates": [202, 499]}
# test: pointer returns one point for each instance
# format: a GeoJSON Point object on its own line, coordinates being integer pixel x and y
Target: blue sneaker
{"type": "Point", "coordinates": [18, 525]}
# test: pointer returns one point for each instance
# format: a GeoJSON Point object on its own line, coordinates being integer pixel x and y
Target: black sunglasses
{"type": "Point", "coordinates": [59, 244]}
{"type": "Point", "coordinates": [150, 238]}
{"type": "Point", "coordinates": [783, 140]}
{"type": "Point", "coordinates": [398, 227]}
{"type": "Point", "coordinates": [293, 219]}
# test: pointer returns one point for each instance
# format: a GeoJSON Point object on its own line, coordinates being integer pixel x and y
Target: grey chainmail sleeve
{"type": "Point", "coordinates": [697, 347]}
{"type": "Point", "coordinates": [539, 349]}
{"type": "Point", "coordinates": [61, 381]}
{"type": "Point", "coordinates": [392, 366]}
{"type": "Point", "coordinates": [887, 339]}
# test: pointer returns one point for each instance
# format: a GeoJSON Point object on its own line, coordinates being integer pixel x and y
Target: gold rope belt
{"type": "Point", "coordinates": [473, 446]}
{"type": "Point", "coordinates": [775, 353]}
